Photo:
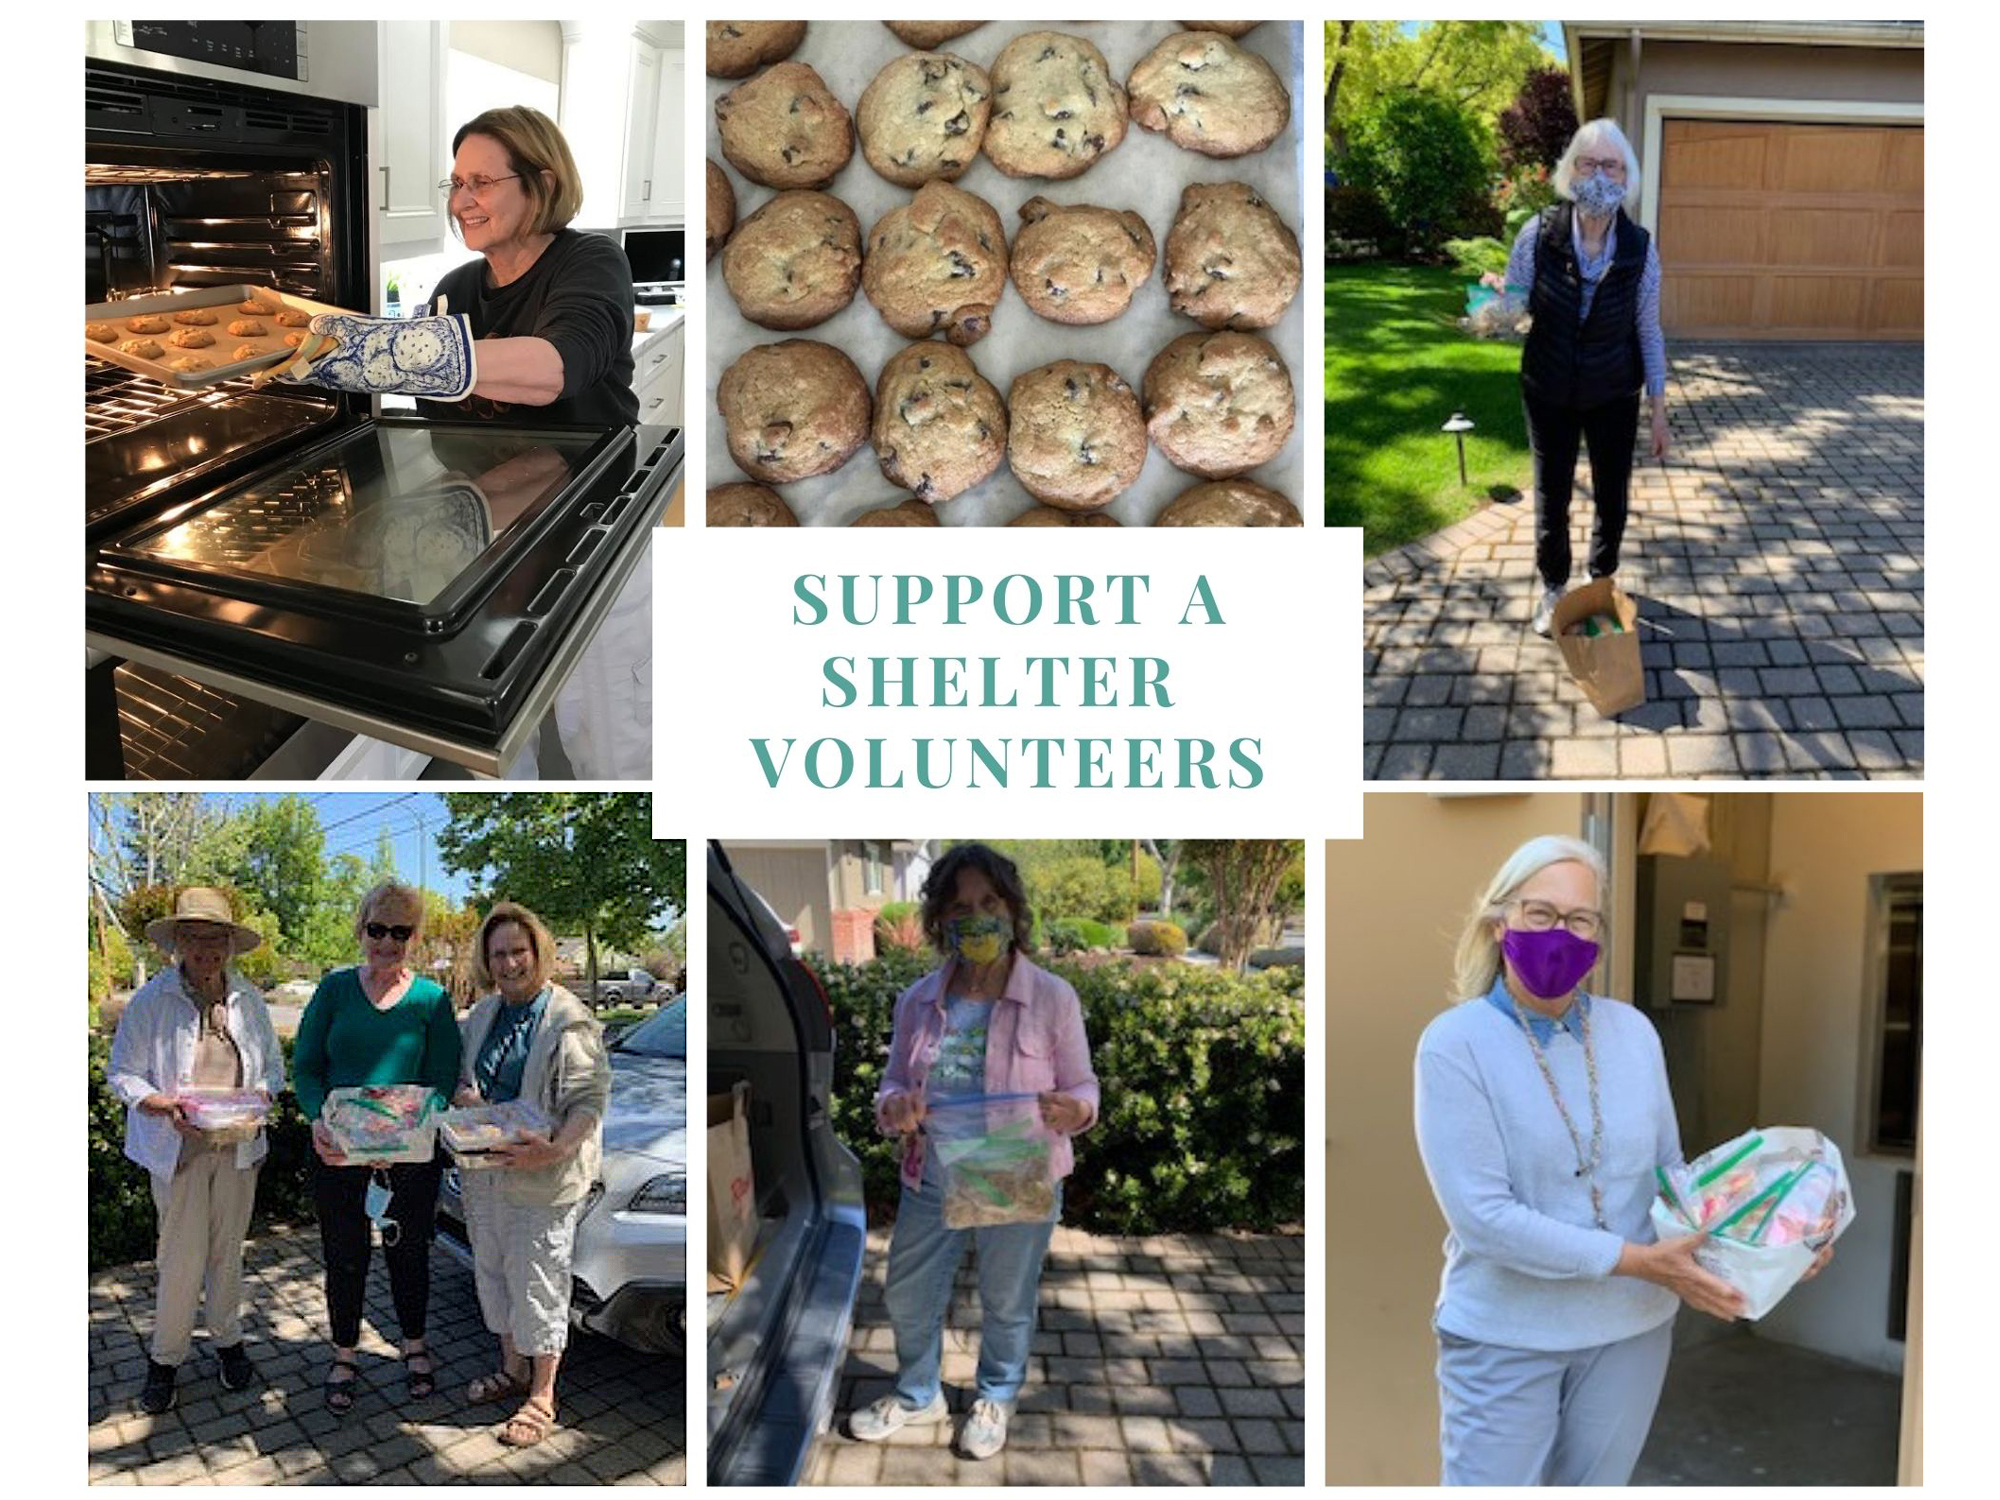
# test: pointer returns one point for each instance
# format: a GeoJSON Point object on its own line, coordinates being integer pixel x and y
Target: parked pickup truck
{"type": "Point", "coordinates": [622, 989]}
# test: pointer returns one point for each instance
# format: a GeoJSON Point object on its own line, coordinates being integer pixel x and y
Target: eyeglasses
{"type": "Point", "coordinates": [479, 185]}
{"type": "Point", "coordinates": [1539, 916]}
{"type": "Point", "coordinates": [1588, 165]}
{"type": "Point", "coordinates": [379, 930]}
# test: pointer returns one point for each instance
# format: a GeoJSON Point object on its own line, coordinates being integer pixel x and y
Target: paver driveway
{"type": "Point", "coordinates": [623, 1414]}
{"type": "Point", "coordinates": [1177, 1359]}
{"type": "Point", "coordinates": [1777, 559]}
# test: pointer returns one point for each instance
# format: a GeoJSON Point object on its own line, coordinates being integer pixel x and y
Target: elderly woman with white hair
{"type": "Point", "coordinates": [1591, 277]}
{"type": "Point", "coordinates": [197, 1024]}
{"type": "Point", "coordinates": [1542, 1114]}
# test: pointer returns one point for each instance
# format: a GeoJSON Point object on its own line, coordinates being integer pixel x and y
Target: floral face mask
{"type": "Point", "coordinates": [1598, 195]}
{"type": "Point", "coordinates": [978, 939]}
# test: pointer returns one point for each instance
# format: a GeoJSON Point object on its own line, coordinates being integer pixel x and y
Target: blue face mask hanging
{"type": "Point", "coordinates": [1597, 195]}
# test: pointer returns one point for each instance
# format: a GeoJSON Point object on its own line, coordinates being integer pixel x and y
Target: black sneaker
{"type": "Point", "coordinates": [159, 1394]}
{"type": "Point", "coordinates": [237, 1371]}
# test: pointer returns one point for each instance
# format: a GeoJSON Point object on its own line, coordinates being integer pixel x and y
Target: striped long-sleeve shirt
{"type": "Point", "coordinates": [1652, 342]}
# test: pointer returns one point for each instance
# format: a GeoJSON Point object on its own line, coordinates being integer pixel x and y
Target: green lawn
{"type": "Point", "coordinates": [1396, 369]}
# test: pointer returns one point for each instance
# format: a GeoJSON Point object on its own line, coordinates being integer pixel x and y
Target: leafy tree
{"type": "Point", "coordinates": [1425, 158]}
{"type": "Point", "coordinates": [1243, 875]}
{"type": "Point", "coordinates": [275, 852]}
{"type": "Point", "coordinates": [1167, 855]}
{"type": "Point", "coordinates": [585, 862]}
{"type": "Point", "coordinates": [1536, 128]}
{"type": "Point", "coordinates": [1477, 65]}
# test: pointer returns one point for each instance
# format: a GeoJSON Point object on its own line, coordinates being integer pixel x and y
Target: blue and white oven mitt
{"type": "Point", "coordinates": [431, 357]}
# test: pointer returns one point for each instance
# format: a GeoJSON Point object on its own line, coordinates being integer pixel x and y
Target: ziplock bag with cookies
{"type": "Point", "coordinates": [993, 1152]}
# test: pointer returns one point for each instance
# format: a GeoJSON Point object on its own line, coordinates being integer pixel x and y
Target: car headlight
{"type": "Point", "coordinates": [665, 1194]}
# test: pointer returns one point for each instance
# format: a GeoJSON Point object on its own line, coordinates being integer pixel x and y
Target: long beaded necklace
{"type": "Point", "coordinates": [1586, 1163]}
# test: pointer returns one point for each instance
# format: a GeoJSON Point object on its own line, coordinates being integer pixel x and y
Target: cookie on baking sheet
{"type": "Point", "coordinates": [736, 49]}
{"type": "Point", "coordinates": [1218, 404]}
{"type": "Point", "coordinates": [940, 426]}
{"type": "Point", "coordinates": [923, 117]}
{"type": "Point", "coordinates": [247, 328]}
{"type": "Point", "coordinates": [1209, 95]}
{"type": "Point", "coordinates": [1048, 515]}
{"type": "Point", "coordinates": [1231, 262]}
{"type": "Point", "coordinates": [748, 505]}
{"type": "Point", "coordinates": [928, 34]}
{"type": "Point", "coordinates": [937, 265]}
{"type": "Point", "coordinates": [785, 129]}
{"type": "Point", "coordinates": [143, 348]}
{"type": "Point", "coordinates": [1075, 438]}
{"type": "Point", "coordinates": [792, 410]}
{"type": "Point", "coordinates": [795, 262]}
{"type": "Point", "coordinates": [147, 323]}
{"type": "Point", "coordinates": [248, 351]}
{"type": "Point", "coordinates": [1056, 107]}
{"type": "Point", "coordinates": [909, 513]}
{"type": "Point", "coordinates": [256, 306]}
{"type": "Point", "coordinates": [1080, 264]}
{"type": "Point", "coordinates": [1227, 28]}
{"type": "Point", "coordinates": [721, 208]}
{"type": "Point", "coordinates": [1230, 502]}
{"type": "Point", "coordinates": [190, 338]}
{"type": "Point", "coordinates": [103, 333]}
{"type": "Point", "coordinates": [197, 317]}
{"type": "Point", "coordinates": [188, 364]}
{"type": "Point", "coordinates": [291, 317]}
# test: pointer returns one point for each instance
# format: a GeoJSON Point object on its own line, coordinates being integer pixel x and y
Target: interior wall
{"type": "Point", "coordinates": [531, 47]}
{"type": "Point", "coordinates": [1824, 848]}
{"type": "Point", "coordinates": [1394, 902]}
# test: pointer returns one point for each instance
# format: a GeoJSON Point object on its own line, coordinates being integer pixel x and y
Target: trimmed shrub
{"type": "Point", "coordinates": [1426, 160]}
{"type": "Point", "coordinates": [1202, 1124]}
{"type": "Point", "coordinates": [1157, 939]}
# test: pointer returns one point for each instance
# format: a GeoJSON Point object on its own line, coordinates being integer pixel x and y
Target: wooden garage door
{"type": "Point", "coordinates": [1792, 231]}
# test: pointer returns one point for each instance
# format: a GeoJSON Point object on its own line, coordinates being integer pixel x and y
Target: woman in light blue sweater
{"type": "Point", "coordinates": [1542, 1113]}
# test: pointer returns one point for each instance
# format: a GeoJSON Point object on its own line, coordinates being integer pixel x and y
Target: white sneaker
{"type": "Point", "coordinates": [985, 1431]}
{"type": "Point", "coordinates": [878, 1419]}
{"type": "Point", "coordinates": [1545, 612]}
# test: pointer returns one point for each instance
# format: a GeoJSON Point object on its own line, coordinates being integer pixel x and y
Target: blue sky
{"type": "Point", "coordinates": [354, 821]}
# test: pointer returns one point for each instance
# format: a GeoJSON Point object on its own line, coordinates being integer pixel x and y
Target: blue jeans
{"type": "Point", "coordinates": [923, 1262]}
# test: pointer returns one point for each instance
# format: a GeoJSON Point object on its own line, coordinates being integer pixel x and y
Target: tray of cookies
{"type": "Point", "coordinates": [201, 337]}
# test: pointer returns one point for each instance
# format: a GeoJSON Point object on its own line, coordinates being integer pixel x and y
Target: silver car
{"type": "Point", "coordinates": [630, 1264]}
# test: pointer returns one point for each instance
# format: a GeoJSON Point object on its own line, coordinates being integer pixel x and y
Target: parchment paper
{"type": "Point", "coordinates": [1145, 173]}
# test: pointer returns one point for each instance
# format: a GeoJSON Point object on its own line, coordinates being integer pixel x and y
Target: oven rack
{"type": "Point", "coordinates": [116, 399]}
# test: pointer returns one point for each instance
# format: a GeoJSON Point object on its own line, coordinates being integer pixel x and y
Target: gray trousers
{"type": "Point", "coordinates": [1523, 1416]}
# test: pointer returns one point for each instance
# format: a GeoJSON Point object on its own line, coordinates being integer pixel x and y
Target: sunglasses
{"type": "Point", "coordinates": [379, 930]}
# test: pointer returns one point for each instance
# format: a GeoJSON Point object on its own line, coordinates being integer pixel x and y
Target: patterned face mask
{"type": "Point", "coordinates": [1597, 195]}
{"type": "Point", "coordinates": [978, 939]}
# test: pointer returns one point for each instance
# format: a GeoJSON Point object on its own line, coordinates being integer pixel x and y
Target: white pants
{"type": "Point", "coordinates": [520, 1263]}
{"type": "Point", "coordinates": [204, 1213]}
{"type": "Point", "coordinates": [604, 710]}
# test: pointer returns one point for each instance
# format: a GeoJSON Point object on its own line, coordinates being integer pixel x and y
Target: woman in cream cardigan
{"type": "Point", "coordinates": [533, 1041]}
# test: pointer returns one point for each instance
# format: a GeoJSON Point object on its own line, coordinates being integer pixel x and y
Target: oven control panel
{"type": "Point", "coordinates": [276, 49]}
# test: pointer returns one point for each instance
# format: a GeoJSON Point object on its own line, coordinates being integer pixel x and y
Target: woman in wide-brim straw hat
{"type": "Point", "coordinates": [195, 1024]}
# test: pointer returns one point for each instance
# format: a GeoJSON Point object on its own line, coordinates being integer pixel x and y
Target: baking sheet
{"type": "Point", "coordinates": [1145, 173]}
{"type": "Point", "coordinates": [223, 299]}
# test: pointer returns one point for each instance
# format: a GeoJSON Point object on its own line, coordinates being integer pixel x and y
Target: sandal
{"type": "Point", "coordinates": [420, 1383]}
{"type": "Point", "coordinates": [340, 1393]}
{"type": "Point", "coordinates": [500, 1385]}
{"type": "Point", "coordinates": [530, 1424]}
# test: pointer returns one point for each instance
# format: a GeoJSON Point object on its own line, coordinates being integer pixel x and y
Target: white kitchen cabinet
{"type": "Point", "coordinates": [656, 378]}
{"type": "Point", "coordinates": [668, 205]}
{"type": "Point", "coordinates": [613, 101]}
{"type": "Point", "coordinates": [409, 148]}
{"type": "Point", "coordinates": [642, 102]}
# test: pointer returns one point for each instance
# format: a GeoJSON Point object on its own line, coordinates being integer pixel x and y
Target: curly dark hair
{"type": "Point", "coordinates": [941, 885]}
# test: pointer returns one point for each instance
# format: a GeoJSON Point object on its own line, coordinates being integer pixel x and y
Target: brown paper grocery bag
{"type": "Point", "coordinates": [732, 1195]}
{"type": "Point", "coordinates": [1606, 667]}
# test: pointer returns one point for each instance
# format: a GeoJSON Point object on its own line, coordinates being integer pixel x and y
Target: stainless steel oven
{"type": "Point", "coordinates": [284, 567]}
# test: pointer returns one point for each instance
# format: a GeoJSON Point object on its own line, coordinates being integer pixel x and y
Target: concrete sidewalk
{"type": "Point", "coordinates": [622, 1414]}
{"type": "Point", "coordinates": [1777, 559]}
{"type": "Point", "coordinates": [1177, 1359]}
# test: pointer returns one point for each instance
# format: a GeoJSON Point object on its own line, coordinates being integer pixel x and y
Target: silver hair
{"type": "Point", "coordinates": [1598, 133]}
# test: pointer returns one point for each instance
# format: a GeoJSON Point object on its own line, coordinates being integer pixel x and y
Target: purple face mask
{"type": "Point", "coordinates": [1551, 964]}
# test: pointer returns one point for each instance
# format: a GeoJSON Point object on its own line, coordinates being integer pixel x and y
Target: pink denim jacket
{"type": "Point", "coordinates": [1035, 1044]}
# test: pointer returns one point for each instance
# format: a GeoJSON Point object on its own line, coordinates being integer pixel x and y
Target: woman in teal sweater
{"type": "Point", "coordinates": [378, 1023]}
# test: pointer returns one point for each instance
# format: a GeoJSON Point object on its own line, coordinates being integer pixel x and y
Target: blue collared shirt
{"type": "Point", "coordinates": [1544, 1027]}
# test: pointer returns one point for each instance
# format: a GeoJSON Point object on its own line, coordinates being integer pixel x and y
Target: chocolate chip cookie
{"type": "Point", "coordinates": [721, 208]}
{"type": "Point", "coordinates": [923, 117]}
{"type": "Point", "coordinates": [1218, 404]}
{"type": "Point", "coordinates": [1230, 502]}
{"type": "Point", "coordinates": [1075, 438]}
{"type": "Point", "coordinates": [939, 425]}
{"type": "Point", "coordinates": [1080, 264]}
{"type": "Point", "coordinates": [792, 410]}
{"type": "Point", "coordinates": [736, 49]}
{"type": "Point", "coordinates": [785, 129]}
{"type": "Point", "coordinates": [937, 265]}
{"type": "Point", "coordinates": [1048, 515]}
{"type": "Point", "coordinates": [1056, 107]}
{"type": "Point", "coordinates": [928, 34]}
{"type": "Point", "coordinates": [794, 262]}
{"type": "Point", "coordinates": [1230, 262]}
{"type": "Point", "coordinates": [909, 513]}
{"type": "Point", "coordinates": [1209, 95]}
{"type": "Point", "coordinates": [748, 505]}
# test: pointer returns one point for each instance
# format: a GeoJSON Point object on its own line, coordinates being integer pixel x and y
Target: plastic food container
{"type": "Point", "coordinates": [384, 1123]}
{"type": "Point", "coordinates": [226, 1117]}
{"type": "Point", "coordinates": [474, 1135]}
{"type": "Point", "coordinates": [994, 1152]}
